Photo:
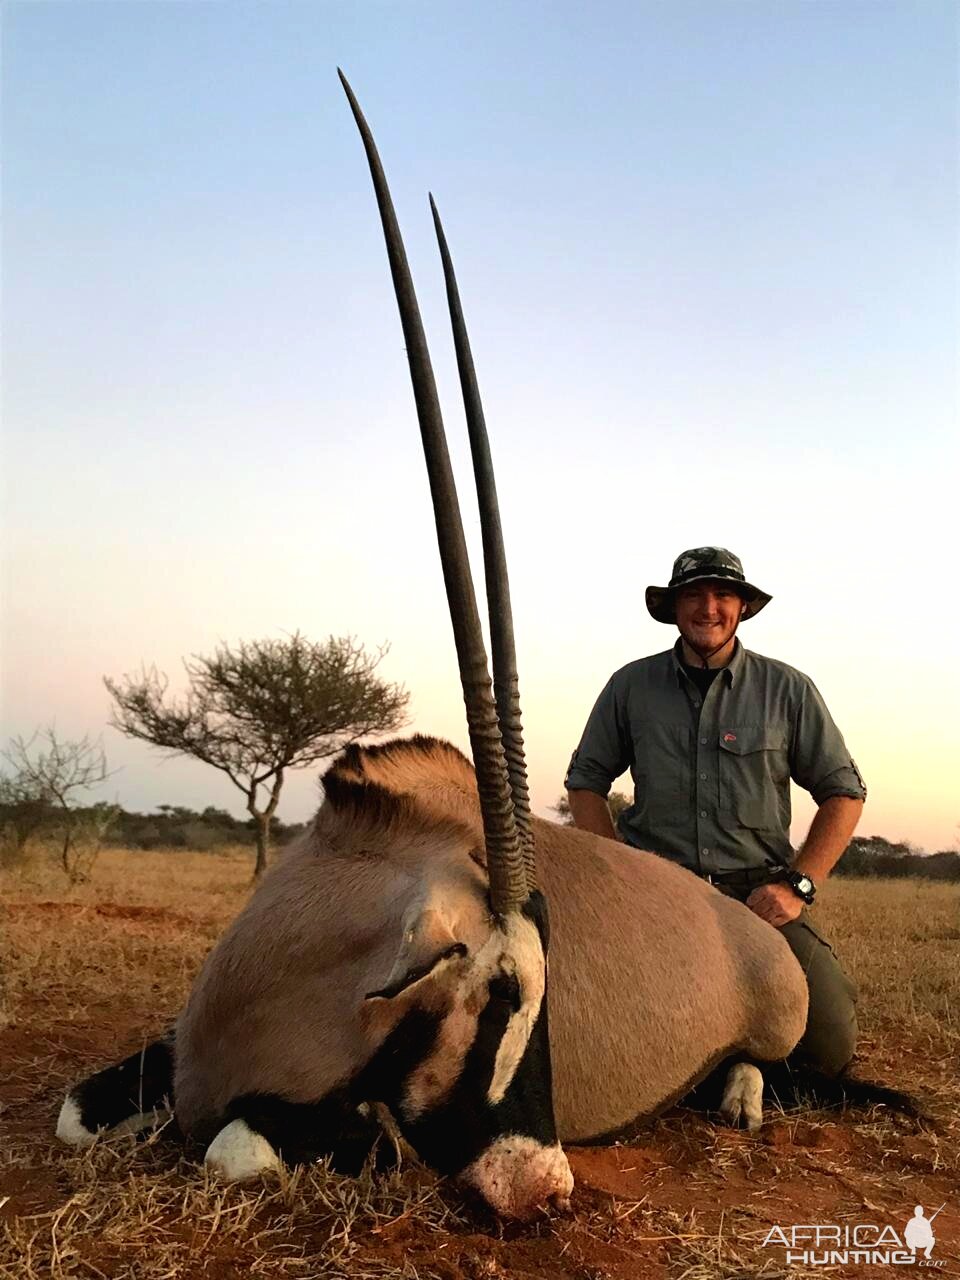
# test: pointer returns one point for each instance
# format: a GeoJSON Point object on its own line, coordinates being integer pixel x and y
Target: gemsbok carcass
{"type": "Point", "coordinates": [398, 954]}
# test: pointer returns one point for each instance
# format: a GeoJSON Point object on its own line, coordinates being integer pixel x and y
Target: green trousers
{"type": "Point", "coordinates": [830, 1038]}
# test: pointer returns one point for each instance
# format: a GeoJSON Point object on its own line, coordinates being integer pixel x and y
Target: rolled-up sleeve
{"type": "Point", "coordinates": [820, 761]}
{"type": "Point", "coordinates": [604, 750]}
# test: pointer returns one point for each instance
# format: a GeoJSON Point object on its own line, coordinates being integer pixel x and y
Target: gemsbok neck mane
{"type": "Point", "coordinates": [416, 786]}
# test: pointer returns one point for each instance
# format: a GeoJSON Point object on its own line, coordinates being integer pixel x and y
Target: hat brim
{"type": "Point", "coordinates": [661, 601]}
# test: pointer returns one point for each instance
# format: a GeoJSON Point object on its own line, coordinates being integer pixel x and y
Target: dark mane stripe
{"type": "Point", "coordinates": [396, 784]}
{"type": "Point", "coordinates": [352, 758]}
{"type": "Point", "coordinates": [353, 798]}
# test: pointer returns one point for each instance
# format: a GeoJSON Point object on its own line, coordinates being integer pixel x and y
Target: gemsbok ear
{"type": "Point", "coordinates": [428, 941]}
{"type": "Point", "coordinates": [417, 974]}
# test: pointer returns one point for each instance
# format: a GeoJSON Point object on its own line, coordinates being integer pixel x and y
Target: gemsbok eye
{"type": "Point", "coordinates": [506, 988]}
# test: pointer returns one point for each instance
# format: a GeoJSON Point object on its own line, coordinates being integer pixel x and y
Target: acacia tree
{"type": "Point", "coordinates": [261, 708]}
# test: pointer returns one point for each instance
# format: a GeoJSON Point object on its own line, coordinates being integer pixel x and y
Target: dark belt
{"type": "Point", "coordinates": [746, 879]}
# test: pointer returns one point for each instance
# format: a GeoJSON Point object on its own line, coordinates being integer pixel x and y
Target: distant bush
{"type": "Point", "coordinates": [176, 827]}
{"type": "Point", "coordinates": [26, 822]}
{"type": "Point", "coordinates": [875, 856]}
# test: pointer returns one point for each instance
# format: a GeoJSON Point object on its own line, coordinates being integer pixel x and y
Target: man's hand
{"type": "Point", "coordinates": [775, 903]}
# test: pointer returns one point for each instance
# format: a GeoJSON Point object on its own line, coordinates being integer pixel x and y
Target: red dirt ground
{"type": "Point", "coordinates": [686, 1200]}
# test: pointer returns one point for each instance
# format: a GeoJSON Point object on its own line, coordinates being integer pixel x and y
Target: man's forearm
{"type": "Point", "coordinates": [833, 825]}
{"type": "Point", "coordinates": [591, 812]}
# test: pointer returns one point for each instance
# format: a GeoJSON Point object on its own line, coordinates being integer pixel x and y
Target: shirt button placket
{"type": "Point", "coordinates": [701, 811]}
{"type": "Point", "coordinates": [703, 808]}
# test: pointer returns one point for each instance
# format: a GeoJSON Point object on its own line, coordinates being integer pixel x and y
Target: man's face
{"type": "Point", "coordinates": [708, 613]}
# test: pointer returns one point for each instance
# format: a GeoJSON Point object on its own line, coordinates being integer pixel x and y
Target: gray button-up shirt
{"type": "Point", "coordinates": [712, 782]}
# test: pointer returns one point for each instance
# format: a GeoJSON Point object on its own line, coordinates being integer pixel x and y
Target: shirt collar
{"type": "Point", "coordinates": [730, 672]}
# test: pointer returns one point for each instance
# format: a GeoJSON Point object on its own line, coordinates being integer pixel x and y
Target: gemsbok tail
{"type": "Point", "coordinates": [792, 1085]}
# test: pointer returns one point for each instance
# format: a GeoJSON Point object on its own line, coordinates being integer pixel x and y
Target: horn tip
{"type": "Point", "coordinates": [438, 225]}
{"type": "Point", "coordinates": [346, 86]}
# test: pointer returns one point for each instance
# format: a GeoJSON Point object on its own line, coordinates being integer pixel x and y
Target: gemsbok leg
{"type": "Point", "coordinates": [262, 1129]}
{"type": "Point", "coordinates": [130, 1096]}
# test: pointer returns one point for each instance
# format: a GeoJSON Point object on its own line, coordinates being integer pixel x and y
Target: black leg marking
{"type": "Point", "coordinates": [139, 1085]}
{"type": "Point", "coordinates": [301, 1132]}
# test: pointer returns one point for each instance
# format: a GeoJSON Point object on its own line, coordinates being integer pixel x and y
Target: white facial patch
{"type": "Point", "coordinates": [521, 1178]}
{"type": "Point", "coordinates": [743, 1096]}
{"type": "Point", "coordinates": [514, 949]}
{"type": "Point", "coordinates": [237, 1153]}
{"type": "Point", "coordinates": [525, 956]}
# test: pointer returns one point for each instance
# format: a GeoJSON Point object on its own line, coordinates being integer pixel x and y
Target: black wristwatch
{"type": "Point", "coordinates": [801, 885]}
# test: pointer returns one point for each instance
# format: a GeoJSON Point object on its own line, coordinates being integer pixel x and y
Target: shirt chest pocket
{"type": "Point", "coordinates": [754, 776]}
{"type": "Point", "coordinates": [661, 771]}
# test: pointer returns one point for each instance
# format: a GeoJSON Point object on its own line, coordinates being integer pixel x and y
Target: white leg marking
{"type": "Point", "coordinates": [743, 1096]}
{"type": "Point", "coordinates": [70, 1128]}
{"type": "Point", "coordinates": [237, 1153]}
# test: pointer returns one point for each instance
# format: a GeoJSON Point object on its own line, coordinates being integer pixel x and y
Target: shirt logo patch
{"type": "Point", "coordinates": [729, 737]}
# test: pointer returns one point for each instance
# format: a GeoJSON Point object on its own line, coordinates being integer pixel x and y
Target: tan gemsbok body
{"type": "Point", "coordinates": [655, 976]}
{"type": "Point", "coordinates": [397, 955]}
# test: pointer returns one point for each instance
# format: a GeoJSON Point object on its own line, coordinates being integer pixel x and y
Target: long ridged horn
{"type": "Point", "coordinates": [506, 685]}
{"type": "Point", "coordinates": [505, 864]}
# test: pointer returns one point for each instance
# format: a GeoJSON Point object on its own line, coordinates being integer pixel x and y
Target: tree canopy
{"type": "Point", "coordinates": [261, 707]}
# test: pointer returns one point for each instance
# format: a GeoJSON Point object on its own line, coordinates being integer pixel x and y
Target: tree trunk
{"type": "Point", "coordinates": [262, 818]}
{"type": "Point", "coordinates": [263, 844]}
{"type": "Point", "coordinates": [65, 854]}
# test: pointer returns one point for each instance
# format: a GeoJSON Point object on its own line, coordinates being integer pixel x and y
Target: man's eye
{"type": "Point", "coordinates": [506, 989]}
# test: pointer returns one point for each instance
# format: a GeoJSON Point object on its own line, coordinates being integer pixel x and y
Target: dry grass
{"type": "Point", "coordinates": [133, 1212]}
{"type": "Point", "coordinates": [902, 940]}
{"type": "Point", "coordinates": [172, 878]}
{"type": "Point", "coordinates": [87, 971]}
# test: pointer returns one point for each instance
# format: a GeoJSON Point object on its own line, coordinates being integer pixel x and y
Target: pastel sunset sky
{"type": "Point", "coordinates": [708, 257]}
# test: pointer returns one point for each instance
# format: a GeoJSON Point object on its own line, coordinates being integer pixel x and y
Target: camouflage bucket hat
{"type": "Point", "coordinates": [694, 566]}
